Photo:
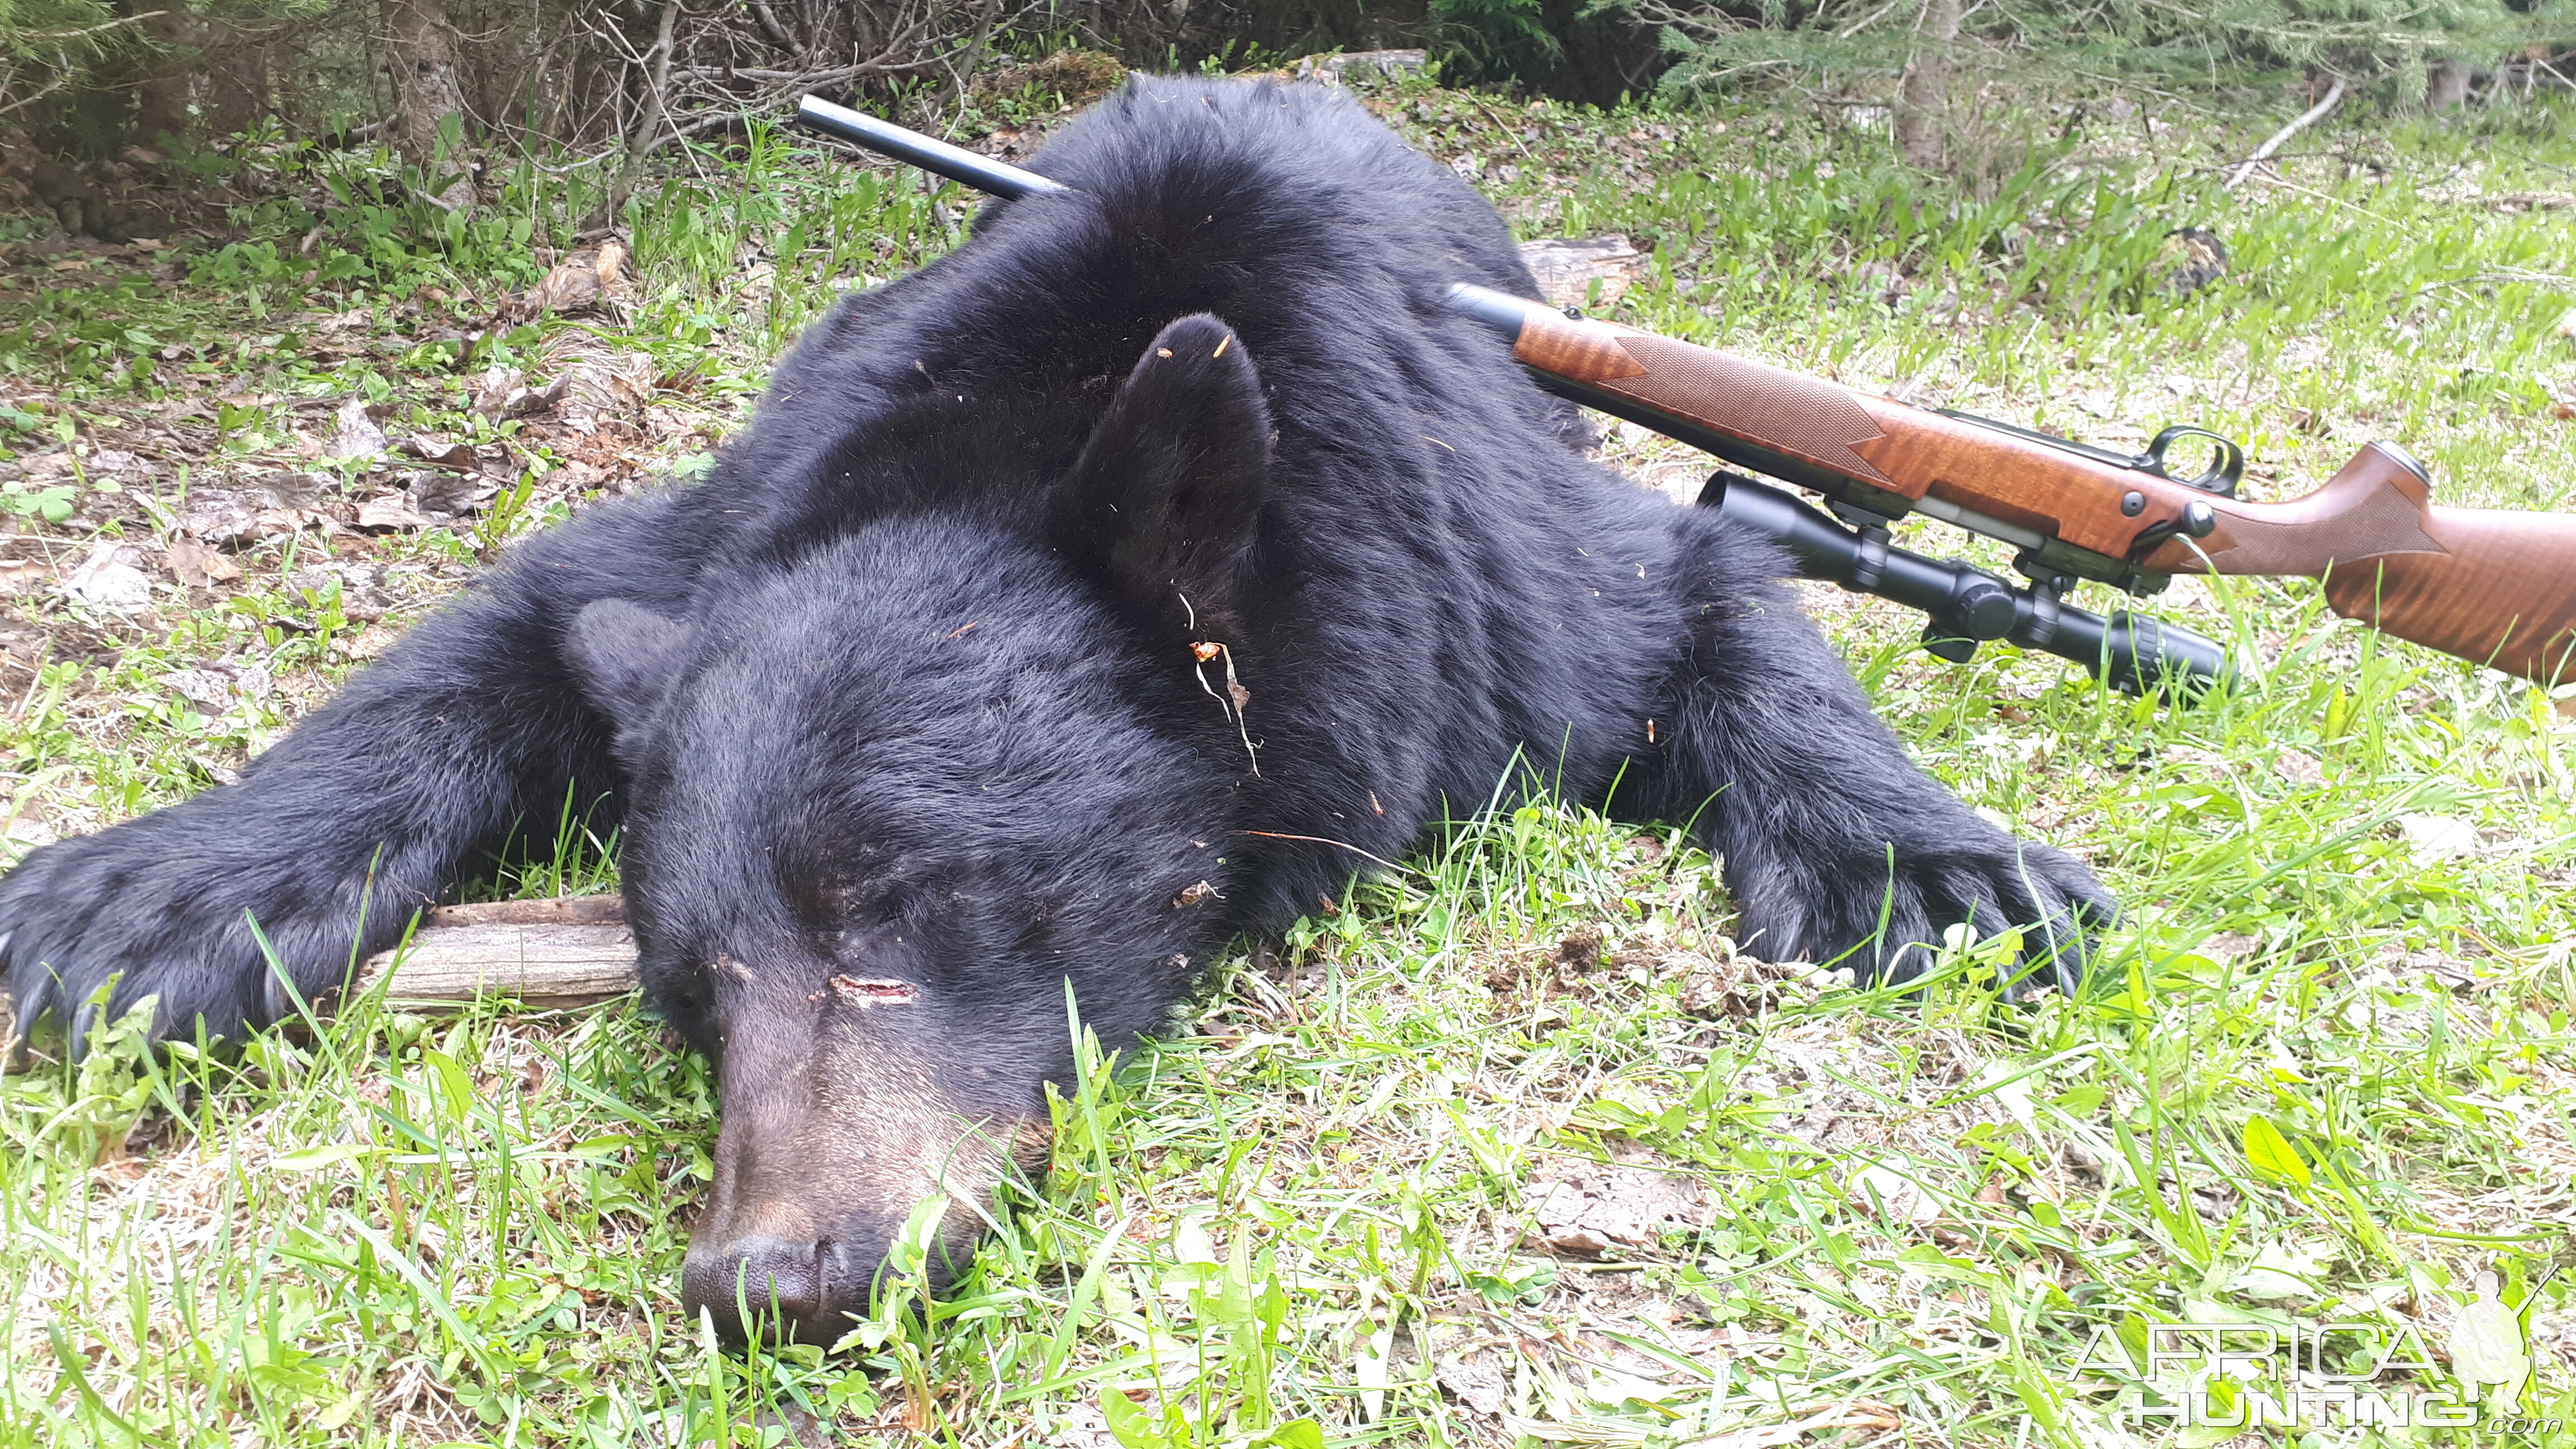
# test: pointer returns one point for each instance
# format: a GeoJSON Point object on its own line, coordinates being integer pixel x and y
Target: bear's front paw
{"type": "Point", "coordinates": [165, 912]}
{"type": "Point", "coordinates": [1881, 912]}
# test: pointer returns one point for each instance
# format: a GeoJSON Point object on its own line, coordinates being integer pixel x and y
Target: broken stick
{"type": "Point", "coordinates": [2264, 152]}
{"type": "Point", "coordinates": [570, 951]}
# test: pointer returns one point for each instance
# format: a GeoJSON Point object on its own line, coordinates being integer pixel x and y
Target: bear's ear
{"type": "Point", "coordinates": [1171, 483]}
{"type": "Point", "coordinates": [625, 656]}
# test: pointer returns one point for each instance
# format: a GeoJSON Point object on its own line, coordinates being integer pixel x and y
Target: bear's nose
{"type": "Point", "coordinates": [779, 1282]}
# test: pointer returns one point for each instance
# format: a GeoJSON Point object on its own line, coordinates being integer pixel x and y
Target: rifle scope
{"type": "Point", "coordinates": [2130, 652]}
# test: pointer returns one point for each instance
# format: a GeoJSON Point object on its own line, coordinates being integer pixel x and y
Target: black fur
{"type": "Point", "coordinates": [914, 684]}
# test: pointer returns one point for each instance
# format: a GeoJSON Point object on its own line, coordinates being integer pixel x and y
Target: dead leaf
{"type": "Point", "coordinates": [431, 448]}
{"type": "Point", "coordinates": [1477, 1378]}
{"type": "Point", "coordinates": [357, 435]}
{"type": "Point", "coordinates": [108, 578]}
{"type": "Point", "coordinates": [389, 510]}
{"type": "Point", "coordinates": [1892, 1195]}
{"type": "Point", "coordinates": [576, 283]}
{"type": "Point", "coordinates": [1192, 895]}
{"type": "Point", "coordinates": [197, 566]}
{"type": "Point", "coordinates": [1584, 1209]}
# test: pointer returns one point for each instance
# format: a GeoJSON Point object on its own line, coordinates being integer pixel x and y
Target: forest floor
{"type": "Point", "coordinates": [1518, 1147]}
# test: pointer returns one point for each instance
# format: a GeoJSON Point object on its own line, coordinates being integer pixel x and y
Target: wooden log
{"type": "Point", "coordinates": [570, 951]}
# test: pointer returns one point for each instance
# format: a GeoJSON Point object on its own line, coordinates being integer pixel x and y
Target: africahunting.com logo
{"type": "Point", "coordinates": [2289, 1374]}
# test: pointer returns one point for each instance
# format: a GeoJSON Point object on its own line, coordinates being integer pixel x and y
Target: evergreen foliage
{"type": "Point", "coordinates": [2171, 42]}
{"type": "Point", "coordinates": [51, 39]}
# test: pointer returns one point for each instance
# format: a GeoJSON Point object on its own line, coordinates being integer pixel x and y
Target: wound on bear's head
{"type": "Point", "coordinates": [1171, 482]}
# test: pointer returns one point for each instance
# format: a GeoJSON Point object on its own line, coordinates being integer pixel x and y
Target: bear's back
{"type": "Point", "coordinates": [1440, 578]}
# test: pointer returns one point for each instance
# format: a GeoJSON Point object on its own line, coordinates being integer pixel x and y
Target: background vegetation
{"type": "Point", "coordinates": [1515, 1147]}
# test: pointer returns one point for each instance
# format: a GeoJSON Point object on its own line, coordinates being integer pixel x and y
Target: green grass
{"type": "Point", "coordinates": [2322, 1071]}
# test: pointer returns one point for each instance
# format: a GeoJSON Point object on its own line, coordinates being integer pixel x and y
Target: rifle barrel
{"type": "Point", "coordinates": [958, 164]}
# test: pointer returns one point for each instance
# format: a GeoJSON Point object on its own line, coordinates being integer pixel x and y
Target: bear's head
{"type": "Point", "coordinates": [904, 800]}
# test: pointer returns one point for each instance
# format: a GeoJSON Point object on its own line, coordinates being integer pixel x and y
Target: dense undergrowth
{"type": "Point", "coordinates": [1514, 1148]}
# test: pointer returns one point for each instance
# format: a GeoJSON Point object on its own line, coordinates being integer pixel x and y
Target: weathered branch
{"type": "Point", "coordinates": [657, 88]}
{"type": "Point", "coordinates": [2281, 137]}
{"type": "Point", "coordinates": [564, 952]}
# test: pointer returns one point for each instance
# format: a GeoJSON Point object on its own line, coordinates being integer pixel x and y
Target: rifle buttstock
{"type": "Point", "coordinates": [2502, 592]}
{"type": "Point", "coordinates": [2497, 588]}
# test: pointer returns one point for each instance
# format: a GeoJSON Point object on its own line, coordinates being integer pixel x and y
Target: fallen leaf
{"type": "Point", "coordinates": [1892, 1195]}
{"type": "Point", "coordinates": [2433, 838]}
{"type": "Point", "coordinates": [108, 579]}
{"type": "Point", "coordinates": [357, 435]}
{"type": "Point", "coordinates": [389, 510]}
{"type": "Point", "coordinates": [1584, 1209]}
{"type": "Point", "coordinates": [440, 496]}
{"type": "Point", "coordinates": [431, 448]}
{"type": "Point", "coordinates": [2283, 1273]}
{"type": "Point", "coordinates": [194, 564]}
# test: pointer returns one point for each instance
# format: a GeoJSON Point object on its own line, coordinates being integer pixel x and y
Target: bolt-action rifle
{"type": "Point", "coordinates": [2494, 587]}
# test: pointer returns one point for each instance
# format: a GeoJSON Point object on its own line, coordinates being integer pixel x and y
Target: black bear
{"type": "Point", "coordinates": [1113, 586]}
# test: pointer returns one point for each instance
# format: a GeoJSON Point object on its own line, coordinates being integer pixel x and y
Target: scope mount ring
{"type": "Point", "coordinates": [2226, 468]}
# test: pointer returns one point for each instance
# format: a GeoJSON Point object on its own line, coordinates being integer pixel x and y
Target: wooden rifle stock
{"type": "Point", "coordinates": [2490, 586]}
